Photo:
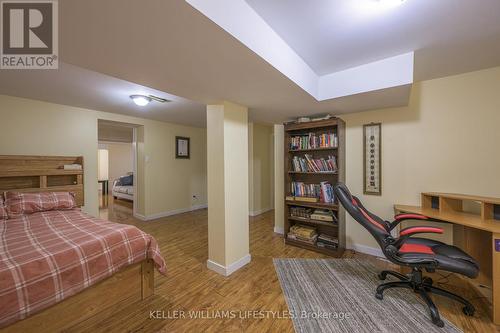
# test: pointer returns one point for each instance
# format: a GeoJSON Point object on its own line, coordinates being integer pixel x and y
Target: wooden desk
{"type": "Point", "coordinates": [476, 234]}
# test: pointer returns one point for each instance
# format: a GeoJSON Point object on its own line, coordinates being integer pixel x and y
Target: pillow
{"type": "Point", "coordinates": [3, 210]}
{"type": "Point", "coordinates": [127, 180]}
{"type": "Point", "coordinates": [19, 204]}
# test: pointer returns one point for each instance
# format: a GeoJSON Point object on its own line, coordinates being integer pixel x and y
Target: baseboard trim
{"type": "Point", "coordinates": [169, 213]}
{"type": "Point", "coordinates": [279, 230]}
{"type": "Point", "coordinates": [140, 217]}
{"type": "Point", "coordinates": [260, 211]}
{"type": "Point", "coordinates": [230, 269]}
{"type": "Point", "coordinates": [367, 250]}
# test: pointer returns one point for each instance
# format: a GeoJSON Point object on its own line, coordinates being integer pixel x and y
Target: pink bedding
{"type": "Point", "coordinates": [48, 256]}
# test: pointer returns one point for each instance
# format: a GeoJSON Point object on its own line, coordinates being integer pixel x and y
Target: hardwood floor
{"type": "Point", "coordinates": [190, 286]}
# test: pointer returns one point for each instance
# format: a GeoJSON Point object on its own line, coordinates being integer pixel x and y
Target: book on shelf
{"type": "Point", "coordinates": [326, 246]}
{"type": "Point", "coordinates": [327, 195]}
{"type": "Point", "coordinates": [307, 199]}
{"type": "Point", "coordinates": [310, 164]}
{"type": "Point", "coordinates": [303, 234]}
{"type": "Point", "coordinates": [314, 141]}
{"type": "Point", "coordinates": [323, 215]}
{"type": "Point", "coordinates": [327, 241]}
{"type": "Point", "coordinates": [322, 192]}
{"type": "Point", "coordinates": [301, 212]}
{"type": "Point", "coordinates": [72, 167]}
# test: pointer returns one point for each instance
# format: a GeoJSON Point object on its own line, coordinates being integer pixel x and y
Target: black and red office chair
{"type": "Point", "coordinates": [417, 253]}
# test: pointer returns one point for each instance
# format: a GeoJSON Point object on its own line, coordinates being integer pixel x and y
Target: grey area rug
{"type": "Point", "coordinates": [338, 295]}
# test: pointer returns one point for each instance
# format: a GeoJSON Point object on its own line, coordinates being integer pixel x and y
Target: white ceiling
{"type": "Point", "coordinates": [75, 86]}
{"type": "Point", "coordinates": [336, 35]}
{"type": "Point", "coordinates": [171, 47]}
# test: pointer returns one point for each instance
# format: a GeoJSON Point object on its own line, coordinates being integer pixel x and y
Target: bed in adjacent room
{"type": "Point", "coordinates": [58, 265]}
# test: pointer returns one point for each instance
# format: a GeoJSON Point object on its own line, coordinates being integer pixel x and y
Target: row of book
{"type": "Point", "coordinates": [322, 192]}
{"type": "Point", "coordinates": [325, 215]}
{"type": "Point", "coordinates": [313, 141]}
{"type": "Point", "coordinates": [303, 234]}
{"type": "Point", "coordinates": [327, 241]}
{"type": "Point", "coordinates": [310, 164]}
{"type": "Point", "coordinates": [309, 235]}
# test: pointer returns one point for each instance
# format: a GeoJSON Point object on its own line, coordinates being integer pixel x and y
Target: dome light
{"type": "Point", "coordinates": [141, 100]}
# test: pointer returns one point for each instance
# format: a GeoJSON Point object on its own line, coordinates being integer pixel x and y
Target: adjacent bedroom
{"type": "Point", "coordinates": [116, 166]}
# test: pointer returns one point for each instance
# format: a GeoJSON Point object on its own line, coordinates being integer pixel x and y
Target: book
{"type": "Point", "coordinates": [313, 141]}
{"type": "Point", "coordinates": [306, 199]}
{"type": "Point", "coordinates": [72, 167]}
{"type": "Point", "coordinates": [310, 164]}
{"type": "Point", "coordinates": [323, 215]}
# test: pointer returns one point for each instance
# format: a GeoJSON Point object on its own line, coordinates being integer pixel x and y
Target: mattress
{"type": "Point", "coordinates": [48, 256]}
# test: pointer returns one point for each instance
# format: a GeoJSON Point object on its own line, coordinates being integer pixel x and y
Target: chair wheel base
{"type": "Point", "coordinates": [379, 296]}
{"type": "Point", "coordinates": [381, 276]}
{"type": "Point", "coordinates": [438, 323]}
{"type": "Point", "coordinates": [469, 311]}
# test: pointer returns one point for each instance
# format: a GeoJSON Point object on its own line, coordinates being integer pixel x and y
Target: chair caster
{"type": "Point", "coordinates": [438, 322]}
{"type": "Point", "coordinates": [379, 296]}
{"type": "Point", "coordinates": [382, 276]}
{"type": "Point", "coordinates": [468, 310]}
{"type": "Point", "coordinates": [428, 281]}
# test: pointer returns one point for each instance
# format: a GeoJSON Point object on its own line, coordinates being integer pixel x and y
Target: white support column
{"type": "Point", "coordinates": [279, 179]}
{"type": "Point", "coordinates": [227, 167]}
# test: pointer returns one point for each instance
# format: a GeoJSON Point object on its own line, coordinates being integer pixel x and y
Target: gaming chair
{"type": "Point", "coordinates": [413, 252]}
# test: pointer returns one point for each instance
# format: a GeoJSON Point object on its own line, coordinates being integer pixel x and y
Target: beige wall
{"type": "Point", "coordinates": [121, 159]}
{"type": "Point", "coordinates": [165, 184]}
{"type": "Point", "coordinates": [446, 140]}
{"type": "Point", "coordinates": [260, 168]}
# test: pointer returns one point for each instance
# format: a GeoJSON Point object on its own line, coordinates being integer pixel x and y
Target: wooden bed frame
{"type": "Point", "coordinates": [134, 283]}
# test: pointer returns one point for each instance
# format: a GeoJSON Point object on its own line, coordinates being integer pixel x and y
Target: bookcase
{"type": "Point", "coordinates": [314, 162]}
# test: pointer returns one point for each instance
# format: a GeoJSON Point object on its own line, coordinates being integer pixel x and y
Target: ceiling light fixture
{"type": "Point", "coordinates": [141, 100]}
{"type": "Point", "coordinates": [390, 3]}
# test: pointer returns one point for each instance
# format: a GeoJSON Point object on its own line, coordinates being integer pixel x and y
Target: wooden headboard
{"type": "Point", "coordinates": [41, 174]}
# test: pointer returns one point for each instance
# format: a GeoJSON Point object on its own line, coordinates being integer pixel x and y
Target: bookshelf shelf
{"type": "Point", "coordinates": [334, 253]}
{"type": "Point", "coordinates": [311, 149]}
{"type": "Point", "coordinates": [320, 205]}
{"type": "Point", "coordinates": [314, 173]}
{"type": "Point", "coordinates": [310, 221]}
{"type": "Point", "coordinates": [313, 134]}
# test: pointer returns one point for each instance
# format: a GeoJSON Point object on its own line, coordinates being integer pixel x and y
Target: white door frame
{"type": "Point", "coordinates": [134, 150]}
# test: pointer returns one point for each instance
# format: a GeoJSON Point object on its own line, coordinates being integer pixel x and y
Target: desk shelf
{"type": "Point", "coordinates": [476, 231]}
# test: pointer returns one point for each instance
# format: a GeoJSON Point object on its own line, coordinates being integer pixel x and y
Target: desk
{"type": "Point", "coordinates": [476, 234]}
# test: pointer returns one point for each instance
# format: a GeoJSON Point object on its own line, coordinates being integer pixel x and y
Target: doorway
{"type": "Point", "coordinates": [117, 169]}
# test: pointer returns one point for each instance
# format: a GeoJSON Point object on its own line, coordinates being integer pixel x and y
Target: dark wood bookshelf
{"type": "Point", "coordinates": [333, 229]}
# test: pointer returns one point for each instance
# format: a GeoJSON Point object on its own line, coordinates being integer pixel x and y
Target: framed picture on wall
{"type": "Point", "coordinates": [372, 159]}
{"type": "Point", "coordinates": [181, 147]}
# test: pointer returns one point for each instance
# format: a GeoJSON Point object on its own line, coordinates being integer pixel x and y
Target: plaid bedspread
{"type": "Point", "coordinates": [48, 256]}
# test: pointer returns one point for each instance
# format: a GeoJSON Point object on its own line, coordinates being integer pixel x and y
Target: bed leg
{"type": "Point", "coordinates": [148, 278]}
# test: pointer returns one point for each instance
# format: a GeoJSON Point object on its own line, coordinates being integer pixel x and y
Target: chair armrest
{"type": "Point", "coordinates": [419, 230]}
{"type": "Point", "coordinates": [407, 216]}
{"type": "Point", "coordinates": [406, 233]}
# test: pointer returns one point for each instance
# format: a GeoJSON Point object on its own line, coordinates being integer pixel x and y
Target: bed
{"type": "Point", "coordinates": [58, 265]}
